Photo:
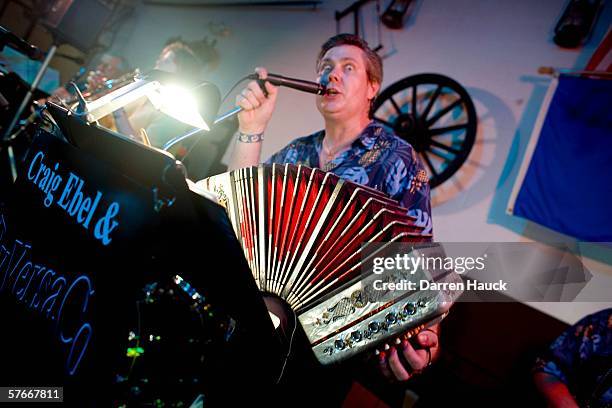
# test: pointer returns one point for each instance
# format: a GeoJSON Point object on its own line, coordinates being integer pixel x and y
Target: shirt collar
{"type": "Point", "coordinates": [367, 139]}
{"type": "Point", "coordinates": [370, 135]}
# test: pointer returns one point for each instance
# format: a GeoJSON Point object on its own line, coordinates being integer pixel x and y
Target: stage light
{"type": "Point", "coordinates": [175, 97]}
{"type": "Point", "coordinates": [179, 103]}
{"type": "Point", "coordinates": [393, 17]}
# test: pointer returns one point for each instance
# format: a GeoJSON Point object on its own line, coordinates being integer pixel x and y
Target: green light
{"type": "Point", "coordinates": [134, 351]}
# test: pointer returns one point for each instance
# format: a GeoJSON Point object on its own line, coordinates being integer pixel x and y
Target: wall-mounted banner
{"type": "Point", "coordinates": [563, 180]}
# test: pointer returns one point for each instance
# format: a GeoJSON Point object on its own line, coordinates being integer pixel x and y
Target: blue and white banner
{"type": "Point", "coordinates": [565, 180]}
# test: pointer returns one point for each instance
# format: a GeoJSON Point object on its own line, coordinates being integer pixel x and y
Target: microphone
{"type": "Point", "coordinates": [299, 84]}
{"type": "Point", "coordinates": [274, 79]}
{"type": "Point", "coordinates": [278, 80]}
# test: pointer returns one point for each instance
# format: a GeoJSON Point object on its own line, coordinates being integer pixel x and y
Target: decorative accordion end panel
{"type": "Point", "coordinates": [313, 239]}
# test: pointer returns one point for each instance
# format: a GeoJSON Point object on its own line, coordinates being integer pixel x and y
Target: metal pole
{"type": "Point", "coordinates": [179, 139]}
{"type": "Point", "coordinates": [197, 131]}
{"type": "Point", "coordinates": [24, 104]}
{"type": "Point", "coordinates": [26, 100]}
{"type": "Point", "coordinates": [227, 115]}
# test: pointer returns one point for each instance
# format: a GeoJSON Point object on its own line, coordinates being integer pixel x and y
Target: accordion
{"type": "Point", "coordinates": [305, 234]}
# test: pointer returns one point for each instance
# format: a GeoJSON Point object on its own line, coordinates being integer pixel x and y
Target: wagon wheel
{"type": "Point", "coordinates": [435, 114]}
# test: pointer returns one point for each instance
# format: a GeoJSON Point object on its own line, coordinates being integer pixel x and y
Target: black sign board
{"type": "Point", "coordinates": [92, 236]}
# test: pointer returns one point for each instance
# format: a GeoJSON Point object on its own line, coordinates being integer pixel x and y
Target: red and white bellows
{"type": "Point", "coordinates": [303, 230]}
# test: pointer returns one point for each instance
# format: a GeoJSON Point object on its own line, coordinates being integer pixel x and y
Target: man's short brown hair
{"type": "Point", "coordinates": [373, 61]}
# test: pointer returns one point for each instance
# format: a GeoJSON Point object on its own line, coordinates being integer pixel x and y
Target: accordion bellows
{"type": "Point", "coordinates": [302, 231]}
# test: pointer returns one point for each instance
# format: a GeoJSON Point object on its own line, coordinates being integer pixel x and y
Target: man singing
{"type": "Point", "coordinates": [352, 146]}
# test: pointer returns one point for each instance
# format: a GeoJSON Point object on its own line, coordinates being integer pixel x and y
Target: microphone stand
{"type": "Point", "coordinates": [197, 131]}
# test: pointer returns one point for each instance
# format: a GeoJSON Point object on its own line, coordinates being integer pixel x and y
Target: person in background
{"type": "Point", "coordinates": [140, 119]}
{"type": "Point", "coordinates": [576, 371]}
{"type": "Point", "coordinates": [202, 155]}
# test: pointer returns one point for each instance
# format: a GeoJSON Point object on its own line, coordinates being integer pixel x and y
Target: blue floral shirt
{"type": "Point", "coordinates": [378, 159]}
{"type": "Point", "coordinates": [581, 357]}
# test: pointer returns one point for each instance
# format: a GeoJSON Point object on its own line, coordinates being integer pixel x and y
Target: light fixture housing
{"type": "Point", "coordinates": [183, 100]}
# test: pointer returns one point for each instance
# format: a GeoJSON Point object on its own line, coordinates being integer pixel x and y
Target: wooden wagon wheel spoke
{"type": "Point", "coordinates": [432, 100]}
{"type": "Point", "coordinates": [444, 147]}
{"type": "Point", "coordinates": [396, 106]}
{"type": "Point", "coordinates": [443, 112]}
{"type": "Point", "coordinates": [439, 131]}
{"type": "Point", "coordinates": [429, 163]}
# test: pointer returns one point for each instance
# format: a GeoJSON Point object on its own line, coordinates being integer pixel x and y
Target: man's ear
{"type": "Point", "coordinates": [373, 88]}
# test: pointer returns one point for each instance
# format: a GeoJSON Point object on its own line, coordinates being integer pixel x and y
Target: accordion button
{"type": "Point", "coordinates": [374, 327]}
{"type": "Point", "coordinates": [410, 308]}
{"type": "Point", "coordinates": [356, 336]}
{"type": "Point", "coordinates": [340, 344]}
{"type": "Point", "coordinates": [391, 318]}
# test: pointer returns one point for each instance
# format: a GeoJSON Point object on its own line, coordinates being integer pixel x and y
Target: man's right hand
{"type": "Point", "coordinates": [257, 107]}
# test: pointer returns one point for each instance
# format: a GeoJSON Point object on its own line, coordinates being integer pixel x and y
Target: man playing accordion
{"type": "Point", "coordinates": [354, 147]}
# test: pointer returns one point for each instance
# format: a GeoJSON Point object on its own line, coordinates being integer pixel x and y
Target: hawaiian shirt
{"type": "Point", "coordinates": [581, 357]}
{"type": "Point", "coordinates": [377, 159]}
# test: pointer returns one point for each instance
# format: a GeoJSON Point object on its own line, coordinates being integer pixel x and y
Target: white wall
{"type": "Point", "coordinates": [493, 48]}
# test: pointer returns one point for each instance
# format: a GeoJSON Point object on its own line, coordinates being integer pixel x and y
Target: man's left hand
{"type": "Point", "coordinates": [408, 357]}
